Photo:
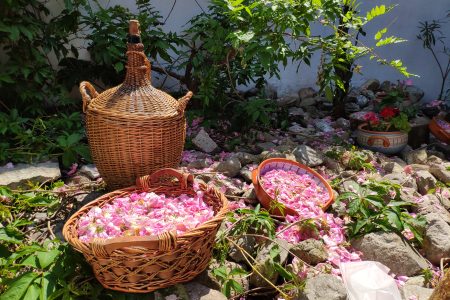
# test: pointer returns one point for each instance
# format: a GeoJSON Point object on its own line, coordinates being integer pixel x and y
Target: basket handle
{"type": "Point", "coordinates": [147, 67]}
{"type": "Point", "coordinates": [385, 140]}
{"type": "Point", "coordinates": [165, 241]}
{"type": "Point", "coordinates": [84, 93]}
{"type": "Point", "coordinates": [183, 101]}
{"type": "Point", "coordinates": [148, 181]}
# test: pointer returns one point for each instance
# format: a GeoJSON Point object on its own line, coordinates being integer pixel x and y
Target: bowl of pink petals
{"type": "Point", "coordinates": [283, 187]}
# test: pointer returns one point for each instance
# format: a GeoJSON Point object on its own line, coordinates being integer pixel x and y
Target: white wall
{"type": "Point", "coordinates": [402, 21]}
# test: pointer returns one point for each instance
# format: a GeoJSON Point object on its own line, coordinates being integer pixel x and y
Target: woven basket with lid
{"type": "Point", "coordinates": [133, 129]}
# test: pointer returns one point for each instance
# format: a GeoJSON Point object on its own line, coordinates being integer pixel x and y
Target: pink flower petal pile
{"type": "Point", "coordinates": [142, 214]}
{"type": "Point", "coordinates": [292, 189]}
{"type": "Point", "coordinates": [301, 193]}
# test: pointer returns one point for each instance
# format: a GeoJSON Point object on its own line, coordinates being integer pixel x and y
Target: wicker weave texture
{"type": "Point", "coordinates": [133, 129]}
{"type": "Point", "coordinates": [144, 264]}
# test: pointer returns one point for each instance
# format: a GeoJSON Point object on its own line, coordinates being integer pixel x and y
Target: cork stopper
{"type": "Point", "coordinates": [134, 28]}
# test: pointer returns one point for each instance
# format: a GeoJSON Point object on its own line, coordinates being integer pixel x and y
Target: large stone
{"type": "Point", "coordinates": [324, 287]}
{"type": "Point", "coordinates": [401, 179]}
{"type": "Point", "coordinates": [419, 167]}
{"type": "Point", "coordinates": [296, 111]}
{"type": "Point", "coordinates": [420, 293]}
{"type": "Point", "coordinates": [90, 171]}
{"type": "Point", "coordinates": [229, 167]}
{"type": "Point", "coordinates": [21, 174]}
{"type": "Point", "coordinates": [371, 84]}
{"type": "Point", "coordinates": [264, 266]}
{"type": "Point", "coordinates": [414, 93]}
{"type": "Point", "coordinates": [362, 101]}
{"type": "Point", "coordinates": [437, 239]}
{"type": "Point", "coordinates": [307, 92]}
{"type": "Point", "coordinates": [246, 174]}
{"type": "Point", "coordinates": [310, 251]}
{"type": "Point", "coordinates": [307, 156]}
{"type": "Point", "coordinates": [305, 102]}
{"type": "Point", "coordinates": [431, 204]}
{"type": "Point", "coordinates": [391, 250]}
{"type": "Point", "coordinates": [287, 100]}
{"type": "Point", "coordinates": [191, 291]}
{"type": "Point", "coordinates": [247, 158]}
{"type": "Point", "coordinates": [199, 164]}
{"type": "Point", "coordinates": [248, 244]}
{"type": "Point", "coordinates": [441, 172]}
{"type": "Point", "coordinates": [416, 157]}
{"type": "Point", "coordinates": [265, 146]}
{"type": "Point", "coordinates": [392, 167]}
{"type": "Point", "coordinates": [203, 142]}
{"type": "Point", "coordinates": [425, 181]}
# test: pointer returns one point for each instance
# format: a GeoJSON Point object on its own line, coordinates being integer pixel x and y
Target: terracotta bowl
{"type": "Point", "coordinates": [287, 165]}
{"type": "Point", "coordinates": [439, 130]}
{"type": "Point", "coordinates": [389, 142]}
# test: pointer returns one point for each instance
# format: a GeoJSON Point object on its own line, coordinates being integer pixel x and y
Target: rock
{"type": "Point", "coordinates": [248, 243]}
{"type": "Point", "coordinates": [199, 292]}
{"type": "Point", "coordinates": [265, 146]}
{"type": "Point", "coordinates": [418, 167]}
{"type": "Point", "coordinates": [247, 158]}
{"type": "Point", "coordinates": [392, 167]}
{"type": "Point", "coordinates": [402, 179]}
{"type": "Point", "coordinates": [198, 164]}
{"type": "Point", "coordinates": [21, 174]}
{"type": "Point", "coordinates": [333, 165]}
{"type": "Point", "coordinates": [391, 250]}
{"type": "Point", "coordinates": [307, 156]}
{"type": "Point", "coordinates": [90, 171]}
{"type": "Point", "coordinates": [39, 217]}
{"type": "Point", "coordinates": [229, 167]}
{"type": "Point", "coordinates": [416, 280]}
{"type": "Point", "coordinates": [295, 128]}
{"type": "Point", "coordinates": [307, 92]}
{"type": "Point", "coordinates": [351, 107]}
{"type": "Point", "coordinates": [250, 196]}
{"type": "Point", "coordinates": [386, 86]}
{"type": "Point", "coordinates": [415, 93]}
{"type": "Point", "coordinates": [78, 179]}
{"type": "Point", "coordinates": [369, 94]}
{"type": "Point", "coordinates": [311, 251]}
{"type": "Point", "coordinates": [409, 195]}
{"type": "Point", "coordinates": [310, 101]}
{"type": "Point", "coordinates": [436, 238]}
{"type": "Point", "coordinates": [324, 287]}
{"type": "Point", "coordinates": [84, 199]}
{"type": "Point", "coordinates": [416, 157]}
{"type": "Point", "coordinates": [287, 100]}
{"type": "Point", "coordinates": [371, 84]}
{"type": "Point", "coordinates": [271, 91]}
{"type": "Point", "coordinates": [207, 277]}
{"type": "Point", "coordinates": [246, 174]}
{"type": "Point", "coordinates": [431, 204]}
{"type": "Point", "coordinates": [203, 142]}
{"type": "Point", "coordinates": [296, 111]}
{"type": "Point", "coordinates": [272, 154]}
{"type": "Point", "coordinates": [342, 123]}
{"type": "Point", "coordinates": [349, 186]}
{"type": "Point", "coordinates": [420, 293]}
{"type": "Point", "coordinates": [425, 181]}
{"type": "Point", "coordinates": [441, 172]}
{"type": "Point", "coordinates": [362, 101]}
{"type": "Point", "coordinates": [264, 266]}
{"type": "Point", "coordinates": [433, 159]}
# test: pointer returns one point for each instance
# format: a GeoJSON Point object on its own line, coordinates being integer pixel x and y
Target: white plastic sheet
{"type": "Point", "coordinates": [369, 280]}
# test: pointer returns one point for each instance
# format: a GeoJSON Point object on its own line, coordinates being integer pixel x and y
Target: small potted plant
{"type": "Point", "coordinates": [386, 131]}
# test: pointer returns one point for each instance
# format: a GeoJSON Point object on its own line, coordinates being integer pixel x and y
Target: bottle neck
{"type": "Point", "coordinates": [137, 70]}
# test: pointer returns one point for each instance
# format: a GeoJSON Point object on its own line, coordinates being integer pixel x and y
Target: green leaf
{"type": "Point", "coordinates": [220, 272]}
{"type": "Point", "coordinates": [283, 272]}
{"type": "Point", "coordinates": [33, 292]}
{"type": "Point", "coordinates": [18, 287]}
{"type": "Point", "coordinates": [395, 220]}
{"type": "Point", "coordinates": [380, 33]}
{"type": "Point", "coordinates": [389, 40]}
{"type": "Point", "coordinates": [10, 237]}
{"type": "Point", "coordinates": [375, 12]}
{"type": "Point", "coordinates": [238, 271]}
{"type": "Point", "coordinates": [46, 258]}
{"type": "Point", "coordinates": [244, 36]}
{"type": "Point", "coordinates": [236, 286]}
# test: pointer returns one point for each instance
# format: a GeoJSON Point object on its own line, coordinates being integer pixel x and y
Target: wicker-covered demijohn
{"type": "Point", "coordinates": [141, 264]}
{"type": "Point", "coordinates": [133, 129]}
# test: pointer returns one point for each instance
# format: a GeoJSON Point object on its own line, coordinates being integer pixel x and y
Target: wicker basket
{"type": "Point", "coordinates": [287, 165]}
{"type": "Point", "coordinates": [142, 264]}
{"type": "Point", "coordinates": [133, 129]}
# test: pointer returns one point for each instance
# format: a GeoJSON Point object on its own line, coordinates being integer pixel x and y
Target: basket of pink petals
{"type": "Point", "coordinates": [149, 236]}
{"type": "Point", "coordinates": [283, 186]}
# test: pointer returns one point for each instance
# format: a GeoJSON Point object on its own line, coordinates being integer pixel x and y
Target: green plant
{"type": "Point", "coordinates": [254, 111]}
{"type": "Point", "coordinates": [430, 32]}
{"type": "Point", "coordinates": [226, 277]}
{"type": "Point", "coordinates": [378, 206]}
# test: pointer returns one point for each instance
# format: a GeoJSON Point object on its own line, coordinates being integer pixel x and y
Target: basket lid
{"type": "Point", "coordinates": [136, 96]}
